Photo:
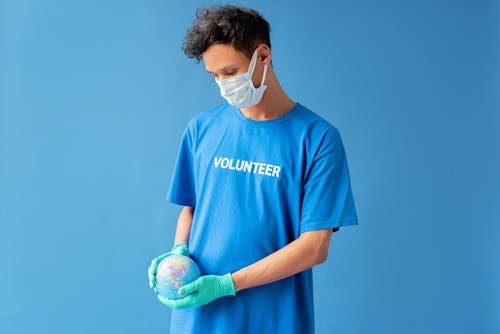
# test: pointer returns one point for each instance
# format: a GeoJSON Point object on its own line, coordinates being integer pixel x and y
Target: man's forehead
{"type": "Point", "coordinates": [222, 57]}
{"type": "Point", "coordinates": [224, 68]}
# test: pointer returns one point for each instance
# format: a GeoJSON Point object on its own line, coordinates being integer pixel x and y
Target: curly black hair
{"type": "Point", "coordinates": [244, 28]}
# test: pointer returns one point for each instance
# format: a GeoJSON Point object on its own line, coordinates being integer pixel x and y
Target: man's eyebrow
{"type": "Point", "coordinates": [225, 68]}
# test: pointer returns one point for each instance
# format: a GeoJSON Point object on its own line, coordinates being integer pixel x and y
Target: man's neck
{"type": "Point", "coordinates": [275, 103]}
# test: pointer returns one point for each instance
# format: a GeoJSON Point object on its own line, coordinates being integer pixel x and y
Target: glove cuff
{"type": "Point", "coordinates": [227, 285]}
{"type": "Point", "coordinates": [180, 249]}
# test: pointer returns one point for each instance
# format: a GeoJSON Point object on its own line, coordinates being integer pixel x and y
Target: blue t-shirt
{"type": "Point", "coordinates": [256, 186]}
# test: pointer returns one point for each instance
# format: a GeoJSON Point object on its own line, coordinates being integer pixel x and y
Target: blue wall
{"type": "Point", "coordinates": [95, 96]}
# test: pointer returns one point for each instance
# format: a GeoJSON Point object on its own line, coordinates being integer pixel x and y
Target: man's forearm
{"type": "Point", "coordinates": [295, 257]}
{"type": "Point", "coordinates": [184, 226]}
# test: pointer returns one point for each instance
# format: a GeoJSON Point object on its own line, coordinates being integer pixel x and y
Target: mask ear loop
{"type": "Point", "coordinates": [253, 61]}
{"type": "Point", "coordinates": [264, 75]}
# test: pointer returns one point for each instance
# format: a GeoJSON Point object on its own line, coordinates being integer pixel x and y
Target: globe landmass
{"type": "Point", "coordinates": [173, 272]}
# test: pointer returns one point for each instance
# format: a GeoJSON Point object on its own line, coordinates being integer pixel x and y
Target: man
{"type": "Point", "coordinates": [263, 180]}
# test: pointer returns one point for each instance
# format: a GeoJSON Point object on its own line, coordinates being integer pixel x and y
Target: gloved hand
{"type": "Point", "coordinates": [202, 291]}
{"type": "Point", "coordinates": [177, 249]}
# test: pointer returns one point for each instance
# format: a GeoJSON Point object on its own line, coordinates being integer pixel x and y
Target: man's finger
{"type": "Point", "coordinates": [189, 288]}
{"type": "Point", "coordinates": [174, 304]}
{"type": "Point", "coordinates": [166, 301]}
{"type": "Point", "coordinates": [152, 269]}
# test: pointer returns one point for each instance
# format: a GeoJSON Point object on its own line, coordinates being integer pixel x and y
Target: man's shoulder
{"type": "Point", "coordinates": [314, 123]}
{"type": "Point", "coordinates": [208, 115]}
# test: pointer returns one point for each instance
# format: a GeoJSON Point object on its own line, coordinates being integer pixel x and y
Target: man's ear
{"type": "Point", "coordinates": [267, 57]}
{"type": "Point", "coordinates": [265, 54]}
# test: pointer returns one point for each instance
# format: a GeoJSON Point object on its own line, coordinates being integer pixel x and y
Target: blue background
{"type": "Point", "coordinates": [95, 96]}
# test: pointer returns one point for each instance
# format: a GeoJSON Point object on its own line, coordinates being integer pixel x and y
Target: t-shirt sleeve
{"type": "Point", "coordinates": [327, 200]}
{"type": "Point", "coordinates": [182, 185]}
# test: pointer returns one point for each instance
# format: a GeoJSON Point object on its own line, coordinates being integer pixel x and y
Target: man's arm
{"type": "Point", "coordinates": [310, 249]}
{"type": "Point", "coordinates": [184, 225]}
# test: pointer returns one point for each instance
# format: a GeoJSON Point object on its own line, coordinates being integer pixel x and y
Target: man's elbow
{"type": "Point", "coordinates": [318, 244]}
{"type": "Point", "coordinates": [321, 251]}
{"type": "Point", "coordinates": [322, 256]}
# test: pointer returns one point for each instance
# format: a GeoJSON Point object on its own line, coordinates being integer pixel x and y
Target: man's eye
{"type": "Point", "coordinates": [228, 73]}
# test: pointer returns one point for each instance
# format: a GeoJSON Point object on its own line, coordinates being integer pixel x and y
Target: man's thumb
{"type": "Point", "coordinates": [189, 288]}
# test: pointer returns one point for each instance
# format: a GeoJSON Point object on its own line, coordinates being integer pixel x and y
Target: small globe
{"type": "Point", "coordinates": [173, 272]}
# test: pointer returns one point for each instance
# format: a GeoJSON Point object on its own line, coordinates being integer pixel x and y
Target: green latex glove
{"type": "Point", "coordinates": [202, 291]}
{"type": "Point", "coordinates": [177, 249]}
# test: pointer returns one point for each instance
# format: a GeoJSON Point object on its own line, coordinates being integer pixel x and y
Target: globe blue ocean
{"type": "Point", "coordinates": [173, 272]}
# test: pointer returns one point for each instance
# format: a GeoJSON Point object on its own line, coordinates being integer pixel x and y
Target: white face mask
{"type": "Point", "coordinates": [239, 90]}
